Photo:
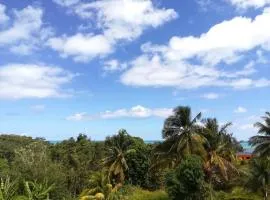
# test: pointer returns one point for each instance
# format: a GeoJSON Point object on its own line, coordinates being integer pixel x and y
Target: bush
{"type": "Point", "coordinates": [186, 182]}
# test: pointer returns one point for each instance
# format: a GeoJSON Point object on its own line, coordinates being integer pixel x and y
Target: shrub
{"type": "Point", "coordinates": [186, 182]}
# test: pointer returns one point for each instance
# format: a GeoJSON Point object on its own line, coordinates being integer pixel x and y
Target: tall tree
{"type": "Point", "coordinates": [182, 136]}
{"type": "Point", "coordinates": [118, 146]}
{"type": "Point", "coordinates": [261, 142]}
{"type": "Point", "coordinates": [260, 176]}
{"type": "Point", "coordinates": [220, 148]}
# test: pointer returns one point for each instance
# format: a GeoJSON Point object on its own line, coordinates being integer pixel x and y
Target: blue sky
{"type": "Point", "coordinates": [81, 66]}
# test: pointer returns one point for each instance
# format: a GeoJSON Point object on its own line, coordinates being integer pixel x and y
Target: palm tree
{"type": "Point", "coordinates": [220, 149]}
{"type": "Point", "coordinates": [118, 146]}
{"type": "Point", "coordinates": [262, 141]}
{"type": "Point", "coordinates": [100, 188]}
{"type": "Point", "coordinates": [260, 176]}
{"type": "Point", "coordinates": [182, 137]}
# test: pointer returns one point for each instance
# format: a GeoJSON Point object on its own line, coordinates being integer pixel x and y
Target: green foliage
{"type": "Point", "coordinates": [262, 141]}
{"type": "Point", "coordinates": [202, 158]}
{"type": "Point", "coordinates": [36, 191]}
{"type": "Point", "coordinates": [8, 189]}
{"type": "Point", "coordinates": [140, 194]}
{"type": "Point", "coordinates": [33, 163]}
{"type": "Point", "coordinates": [99, 187]}
{"type": "Point", "coordinates": [259, 179]}
{"type": "Point", "coordinates": [182, 137]}
{"type": "Point", "coordinates": [4, 167]}
{"type": "Point", "coordinates": [221, 151]}
{"type": "Point", "coordinates": [118, 147]}
{"type": "Point", "coordinates": [187, 180]}
{"type": "Point", "coordinates": [138, 160]}
{"type": "Point", "coordinates": [79, 158]}
{"type": "Point", "coordinates": [237, 193]}
{"type": "Point", "coordinates": [9, 144]}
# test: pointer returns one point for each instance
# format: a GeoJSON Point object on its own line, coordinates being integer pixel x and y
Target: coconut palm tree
{"type": "Point", "coordinates": [220, 149]}
{"type": "Point", "coordinates": [182, 137]}
{"type": "Point", "coordinates": [261, 142]}
{"type": "Point", "coordinates": [118, 146]}
{"type": "Point", "coordinates": [260, 176]}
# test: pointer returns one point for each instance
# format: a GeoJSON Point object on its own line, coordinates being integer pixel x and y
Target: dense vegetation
{"type": "Point", "coordinates": [195, 161]}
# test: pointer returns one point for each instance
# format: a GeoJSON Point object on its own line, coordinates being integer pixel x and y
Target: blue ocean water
{"type": "Point", "coordinates": [247, 148]}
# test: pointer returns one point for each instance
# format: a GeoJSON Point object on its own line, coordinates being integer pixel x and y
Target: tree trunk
{"type": "Point", "coordinates": [266, 195]}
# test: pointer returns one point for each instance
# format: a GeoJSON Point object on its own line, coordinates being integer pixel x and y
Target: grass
{"type": "Point", "coordinates": [140, 194]}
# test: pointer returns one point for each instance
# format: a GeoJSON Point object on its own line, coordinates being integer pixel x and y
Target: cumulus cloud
{"type": "Point", "coordinates": [18, 81]}
{"type": "Point", "coordinates": [240, 109]}
{"type": "Point", "coordinates": [155, 71]}
{"type": "Point", "coordinates": [223, 45]}
{"type": "Point", "coordinates": [26, 31]}
{"type": "Point", "coordinates": [244, 4]}
{"type": "Point", "coordinates": [223, 42]}
{"type": "Point", "coordinates": [117, 20]}
{"type": "Point", "coordinates": [134, 112]}
{"type": "Point", "coordinates": [81, 47]}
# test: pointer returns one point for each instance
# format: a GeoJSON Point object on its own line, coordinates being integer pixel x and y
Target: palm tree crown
{"type": "Point", "coordinates": [181, 134]}
{"type": "Point", "coordinates": [220, 149]}
{"type": "Point", "coordinates": [262, 141]}
{"type": "Point", "coordinates": [118, 146]}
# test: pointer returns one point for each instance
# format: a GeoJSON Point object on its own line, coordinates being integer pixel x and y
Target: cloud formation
{"type": "Point", "coordinates": [224, 44]}
{"type": "Point", "coordinates": [134, 112]}
{"type": "Point", "coordinates": [245, 4]}
{"type": "Point", "coordinates": [19, 81]}
{"type": "Point", "coordinates": [25, 31]}
{"type": "Point", "coordinates": [117, 20]}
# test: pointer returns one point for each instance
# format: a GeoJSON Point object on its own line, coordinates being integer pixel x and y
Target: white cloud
{"type": "Point", "coordinates": [26, 32]}
{"type": "Point", "coordinates": [223, 41]}
{"type": "Point", "coordinates": [82, 47]}
{"type": "Point", "coordinates": [78, 117]}
{"type": "Point", "coordinates": [224, 44]}
{"type": "Point", "coordinates": [211, 96]}
{"type": "Point", "coordinates": [18, 81]}
{"type": "Point", "coordinates": [134, 112]}
{"type": "Point", "coordinates": [118, 20]}
{"type": "Point", "coordinates": [38, 108]}
{"type": "Point", "coordinates": [66, 2]}
{"type": "Point", "coordinates": [240, 109]}
{"type": "Point", "coordinates": [154, 71]}
{"type": "Point", "coordinates": [114, 65]}
{"type": "Point", "coordinates": [3, 17]}
{"type": "Point", "coordinates": [125, 19]}
{"type": "Point", "coordinates": [244, 4]}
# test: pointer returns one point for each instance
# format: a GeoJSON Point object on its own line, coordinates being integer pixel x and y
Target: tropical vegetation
{"type": "Point", "coordinates": [196, 160]}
